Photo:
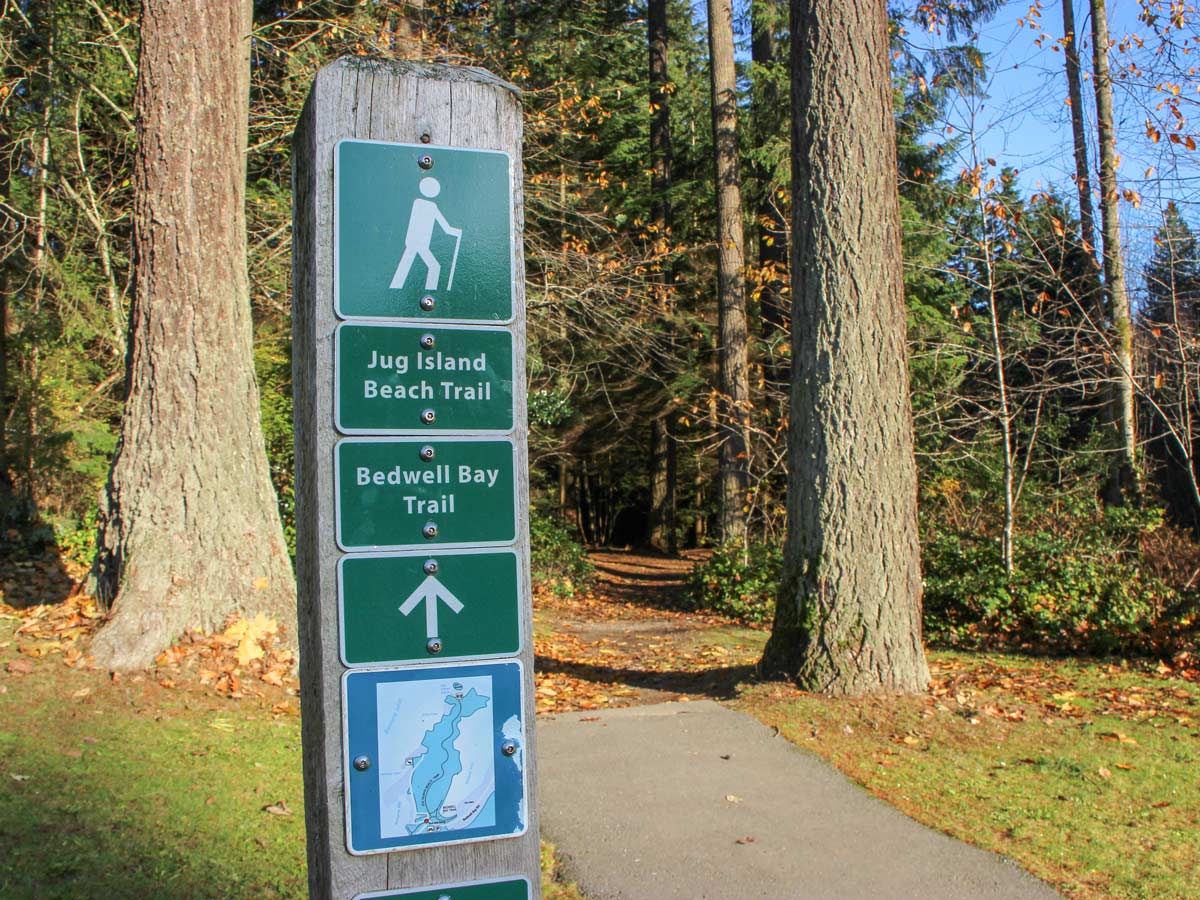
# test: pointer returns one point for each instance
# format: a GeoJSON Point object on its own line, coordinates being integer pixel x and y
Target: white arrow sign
{"type": "Point", "coordinates": [431, 590]}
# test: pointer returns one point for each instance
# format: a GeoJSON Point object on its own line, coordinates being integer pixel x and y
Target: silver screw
{"type": "Point", "coordinates": [434, 645]}
{"type": "Point", "coordinates": [508, 748]}
{"type": "Point", "coordinates": [428, 416]}
{"type": "Point", "coordinates": [430, 531]}
{"type": "Point", "coordinates": [427, 341]}
{"type": "Point", "coordinates": [430, 567]}
{"type": "Point", "coordinates": [427, 453]}
{"type": "Point", "coordinates": [362, 763]}
{"type": "Point", "coordinates": [427, 303]}
{"type": "Point", "coordinates": [425, 161]}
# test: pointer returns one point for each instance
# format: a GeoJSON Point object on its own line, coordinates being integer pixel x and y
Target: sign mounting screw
{"type": "Point", "coordinates": [430, 531]}
{"type": "Point", "coordinates": [425, 161]}
{"type": "Point", "coordinates": [427, 453]}
{"type": "Point", "coordinates": [434, 645]}
{"type": "Point", "coordinates": [508, 748]}
{"type": "Point", "coordinates": [362, 763]}
{"type": "Point", "coordinates": [427, 341]}
{"type": "Point", "coordinates": [427, 303]}
{"type": "Point", "coordinates": [428, 416]}
{"type": "Point", "coordinates": [430, 567]}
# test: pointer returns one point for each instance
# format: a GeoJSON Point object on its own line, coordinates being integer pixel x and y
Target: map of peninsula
{"type": "Point", "coordinates": [437, 756]}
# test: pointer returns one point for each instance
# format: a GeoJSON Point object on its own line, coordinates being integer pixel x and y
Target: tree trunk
{"type": "Point", "coordinates": [410, 29]}
{"type": "Point", "coordinates": [848, 618]}
{"type": "Point", "coordinates": [733, 409]}
{"type": "Point", "coordinates": [1124, 478]}
{"type": "Point", "coordinates": [769, 218]}
{"type": "Point", "coordinates": [189, 527]}
{"type": "Point", "coordinates": [1083, 181]}
{"type": "Point", "coordinates": [661, 531]}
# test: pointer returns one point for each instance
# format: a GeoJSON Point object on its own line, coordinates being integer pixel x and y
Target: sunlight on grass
{"type": "Point", "coordinates": [1090, 782]}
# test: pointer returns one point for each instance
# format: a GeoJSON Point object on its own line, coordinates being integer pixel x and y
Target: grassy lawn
{"type": "Point", "coordinates": [130, 790]}
{"type": "Point", "coordinates": [1088, 774]}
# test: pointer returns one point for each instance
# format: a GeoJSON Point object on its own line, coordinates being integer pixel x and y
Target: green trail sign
{"type": "Point", "coordinates": [410, 379]}
{"type": "Point", "coordinates": [422, 232]}
{"type": "Point", "coordinates": [400, 608]}
{"type": "Point", "coordinates": [408, 493]}
{"type": "Point", "coordinates": [502, 889]}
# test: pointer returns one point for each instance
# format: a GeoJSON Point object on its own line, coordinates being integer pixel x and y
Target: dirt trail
{"type": "Point", "coordinates": [628, 641]}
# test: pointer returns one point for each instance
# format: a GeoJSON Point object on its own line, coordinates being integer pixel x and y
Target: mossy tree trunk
{"type": "Point", "coordinates": [848, 617]}
{"type": "Point", "coordinates": [189, 527]}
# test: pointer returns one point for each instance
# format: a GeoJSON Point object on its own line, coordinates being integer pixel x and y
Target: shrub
{"type": "Point", "coordinates": [739, 583]}
{"type": "Point", "coordinates": [557, 560]}
{"type": "Point", "coordinates": [1077, 584]}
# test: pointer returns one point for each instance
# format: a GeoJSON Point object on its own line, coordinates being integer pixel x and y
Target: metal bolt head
{"type": "Point", "coordinates": [427, 453]}
{"type": "Point", "coordinates": [434, 645]}
{"type": "Point", "coordinates": [425, 138]}
{"type": "Point", "coordinates": [425, 161]}
{"type": "Point", "coordinates": [430, 567]}
{"type": "Point", "coordinates": [430, 531]}
{"type": "Point", "coordinates": [508, 748]}
{"type": "Point", "coordinates": [428, 416]}
{"type": "Point", "coordinates": [362, 763]}
{"type": "Point", "coordinates": [427, 303]}
{"type": "Point", "coordinates": [427, 341]}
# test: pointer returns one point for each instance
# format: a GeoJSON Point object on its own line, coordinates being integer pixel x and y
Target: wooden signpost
{"type": "Point", "coordinates": [412, 497]}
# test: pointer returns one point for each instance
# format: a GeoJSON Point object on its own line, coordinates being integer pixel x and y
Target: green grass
{"type": "Point", "coordinates": [1084, 773]}
{"type": "Point", "coordinates": [130, 791]}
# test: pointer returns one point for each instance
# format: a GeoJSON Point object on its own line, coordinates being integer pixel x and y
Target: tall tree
{"type": "Point", "coordinates": [769, 210]}
{"type": "Point", "coordinates": [1125, 476]}
{"type": "Point", "coordinates": [848, 616]}
{"type": "Point", "coordinates": [1083, 180]}
{"type": "Point", "coordinates": [734, 385]}
{"type": "Point", "coordinates": [189, 527]}
{"type": "Point", "coordinates": [662, 434]}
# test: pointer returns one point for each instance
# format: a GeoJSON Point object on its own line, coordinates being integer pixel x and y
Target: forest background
{"type": "Point", "coordinates": [1012, 340]}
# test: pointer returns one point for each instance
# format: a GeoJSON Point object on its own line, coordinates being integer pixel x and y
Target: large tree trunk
{"type": "Point", "coordinates": [662, 433]}
{"type": "Point", "coordinates": [190, 525]}
{"type": "Point", "coordinates": [1125, 477]}
{"type": "Point", "coordinates": [733, 409]}
{"type": "Point", "coordinates": [848, 617]}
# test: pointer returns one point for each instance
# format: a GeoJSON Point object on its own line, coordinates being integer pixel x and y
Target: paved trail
{"type": "Point", "coordinates": [694, 801]}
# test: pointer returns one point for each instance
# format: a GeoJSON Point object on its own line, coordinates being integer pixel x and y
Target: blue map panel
{"type": "Point", "coordinates": [430, 745]}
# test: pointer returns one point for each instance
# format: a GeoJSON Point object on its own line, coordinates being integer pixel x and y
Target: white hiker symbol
{"type": "Point", "coordinates": [424, 215]}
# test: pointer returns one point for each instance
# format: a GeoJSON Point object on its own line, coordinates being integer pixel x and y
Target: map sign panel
{"type": "Point", "coordinates": [410, 379]}
{"type": "Point", "coordinates": [434, 755]}
{"type": "Point", "coordinates": [414, 607]}
{"type": "Point", "coordinates": [499, 889]}
{"type": "Point", "coordinates": [406, 493]}
{"type": "Point", "coordinates": [422, 232]}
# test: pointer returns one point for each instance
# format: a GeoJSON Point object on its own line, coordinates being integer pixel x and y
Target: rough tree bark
{"type": "Point", "coordinates": [734, 388]}
{"type": "Point", "coordinates": [662, 433]}
{"type": "Point", "coordinates": [189, 526]}
{"type": "Point", "coordinates": [848, 617]}
{"type": "Point", "coordinates": [1124, 480]}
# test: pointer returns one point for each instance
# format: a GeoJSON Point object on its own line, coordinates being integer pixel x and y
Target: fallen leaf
{"type": "Point", "coordinates": [1103, 772]}
{"type": "Point", "coordinates": [745, 840]}
{"type": "Point", "coordinates": [733, 798]}
{"type": "Point", "coordinates": [20, 667]}
{"type": "Point", "coordinates": [279, 808]}
{"type": "Point", "coordinates": [15, 777]}
{"type": "Point", "coordinates": [1124, 766]}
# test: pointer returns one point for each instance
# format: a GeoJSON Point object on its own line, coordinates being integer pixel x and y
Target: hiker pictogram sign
{"type": "Point", "coordinates": [422, 232]}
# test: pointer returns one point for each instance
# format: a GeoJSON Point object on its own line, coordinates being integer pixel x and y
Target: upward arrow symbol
{"type": "Point", "coordinates": [431, 591]}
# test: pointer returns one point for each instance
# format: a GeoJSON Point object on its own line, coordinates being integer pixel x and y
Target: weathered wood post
{"type": "Point", "coordinates": [411, 489]}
